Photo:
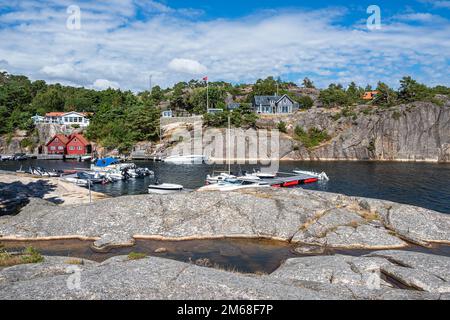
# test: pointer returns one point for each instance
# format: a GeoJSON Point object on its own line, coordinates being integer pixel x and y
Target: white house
{"type": "Point", "coordinates": [167, 114]}
{"type": "Point", "coordinates": [64, 118]}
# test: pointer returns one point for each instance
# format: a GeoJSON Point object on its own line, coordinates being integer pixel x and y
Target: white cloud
{"type": "Point", "coordinates": [188, 66]}
{"type": "Point", "coordinates": [113, 45]}
{"type": "Point", "coordinates": [102, 84]}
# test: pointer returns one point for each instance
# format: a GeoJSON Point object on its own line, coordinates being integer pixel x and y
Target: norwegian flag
{"type": "Point", "coordinates": [205, 78]}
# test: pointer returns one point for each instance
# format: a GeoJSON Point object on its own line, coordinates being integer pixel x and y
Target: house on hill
{"type": "Point", "coordinates": [57, 144]}
{"type": "Point", "coordinates": [370, 95]}
{"type": "Point", "coordinates": [64, 118]}
{"type": "Point", "coordinates": [274, 104]}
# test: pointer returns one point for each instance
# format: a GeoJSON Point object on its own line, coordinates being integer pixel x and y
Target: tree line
{"type": "Point", "coordinates": [122, 118]}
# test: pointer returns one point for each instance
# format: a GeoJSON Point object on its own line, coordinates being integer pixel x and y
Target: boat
{"type": "Point", "coordinates": [91, 177]}
{"type": "Point", "coordinates": [7, 157]}
{"type": "Point", "coordinates": [41, 172]}
{"type": "Point", "coordinates": [215, 178]}
{"type": "Point", "coordinates": [78, 181]}
{"type": "Point", "coordinates": [165, 188]}
{"type": "Point", "coordinates": [105, 164]}
{"type": "Point", "coordinates": [321, 176]}
{"type": "Point", "coordinates": [20, 157]}
{"type": "Point", "coordinates": [234, 184]}
{"type": "Point", "coordinates": [85, 158]}
{"type": "Point", "coordinates": [188, 159]}
{"type": "Point", "coordinates": [263, 175]}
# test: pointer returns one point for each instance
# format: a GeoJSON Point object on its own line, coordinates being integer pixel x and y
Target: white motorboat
{"type": "Point", "coordinates": [321, 176]}
{"type": "Point", "coordinates": [215, 178]}
{"type": "Point", "coordinates": [264, 175]}
{"type": "Point", "coordinates": [165, 188]}
{"type": "Point", "coordinates": [234, 184]}
{"type": "Point", "coordinates": [188, 159]}
{"type": "Point", "coordinates": [78, 181]}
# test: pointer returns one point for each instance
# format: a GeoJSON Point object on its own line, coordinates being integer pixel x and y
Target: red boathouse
{"type": "Point", "coordinates": [78, 145]}
{"type": "Point", "coordinates": [57, 145]}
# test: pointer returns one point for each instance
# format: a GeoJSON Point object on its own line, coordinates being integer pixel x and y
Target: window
{"type": "Point", "coordinates": [60, 148]}
{"type": "Point", "coordinates": [80, 148]}
{"type": "Point", "coordinates": [56, 139]}
{"type": "Point", "coordinates": [72, 148]}
{"type": "Point", "coordinates": [52, 148]}
{"type": "Point", "coordinates": [66, 119]}
{"type": "Point", "coordinates": [80, 119]}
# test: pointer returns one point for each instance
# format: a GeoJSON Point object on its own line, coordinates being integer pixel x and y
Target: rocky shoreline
{"type": "Point", "coordinates": [16, 190]}
{"type": "Point", "coordinates": [310, 220]}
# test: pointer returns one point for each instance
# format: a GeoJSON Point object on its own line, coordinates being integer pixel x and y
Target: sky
{"type": "Point", "coordinates": [120, 43]}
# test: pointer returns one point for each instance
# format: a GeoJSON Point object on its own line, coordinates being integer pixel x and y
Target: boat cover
{"type": "Point", "coordinates": [106, 162]}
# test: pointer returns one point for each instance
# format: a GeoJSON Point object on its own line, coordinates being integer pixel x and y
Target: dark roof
{"type": "Point", "coordinates": [234, 105]}
{"type": "Point", "coordinates": [266, 100]}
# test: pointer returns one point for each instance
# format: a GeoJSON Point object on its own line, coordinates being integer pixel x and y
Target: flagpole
{"type": "Point", "coordinates": [207, 95]}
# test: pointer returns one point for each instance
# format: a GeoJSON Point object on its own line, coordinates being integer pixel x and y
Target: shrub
{"type": "Point", "coordinates": [282, 127]}
{"type": "Point", "coordinates": [136, 256]}
{"type": "Point", "coordinates": [312, 138]}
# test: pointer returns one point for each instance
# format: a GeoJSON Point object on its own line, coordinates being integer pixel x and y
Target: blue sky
{"type": "Point", "coordinates": [121, 42]}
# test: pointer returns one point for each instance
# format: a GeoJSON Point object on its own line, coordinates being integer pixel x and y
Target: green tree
{"type": "Point", "coordinates": [386, 97]}
{"type": "Point", "coordinates": [334, 96]}
{"type": "Point", "coordinates": [410, 90]}
{"type": "Point", "coordinates": [307, 83]}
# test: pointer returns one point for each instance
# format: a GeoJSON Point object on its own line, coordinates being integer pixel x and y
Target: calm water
{"type": "Point", "coordinates": [421, 184]}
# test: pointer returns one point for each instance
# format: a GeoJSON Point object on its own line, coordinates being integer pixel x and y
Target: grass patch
{"type": "Point", "coordinates": [78, 262]}
{"type": "Point", "coordinates": [136, 256]}
{"type": "Point", "coordinates": [311, 138]}
{"type": "Point", "coordinates": [29, 255]}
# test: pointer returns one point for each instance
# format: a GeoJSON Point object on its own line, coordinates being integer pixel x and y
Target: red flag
{"type": "Point", "coordinates": [205, 78]}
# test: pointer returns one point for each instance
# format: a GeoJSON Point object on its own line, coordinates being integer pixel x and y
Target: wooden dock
{"type": "Point", "coordinates": [290, 181]}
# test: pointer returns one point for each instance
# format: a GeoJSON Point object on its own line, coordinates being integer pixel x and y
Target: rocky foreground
{"type": "Point", "coordinates": [309, 219]}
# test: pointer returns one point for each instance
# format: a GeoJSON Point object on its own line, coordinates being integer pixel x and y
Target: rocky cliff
{"type": "Point", "coordinates": [20, 141]}
{"type": "Point", "coordinates": [414, 132]}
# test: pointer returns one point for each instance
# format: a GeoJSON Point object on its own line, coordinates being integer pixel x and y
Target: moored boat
{"type": "Point", "coordinates": [165, 188]}
{"type": "Point", "coordinates": [320, 176]}
{"type": "Point", "coordinates": [187, 159]}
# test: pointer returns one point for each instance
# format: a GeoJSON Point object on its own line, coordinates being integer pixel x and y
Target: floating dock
{"type": "Point", "coordinates": [290, 181]}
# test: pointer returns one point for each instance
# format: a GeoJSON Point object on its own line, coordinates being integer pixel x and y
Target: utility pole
{"type": "Point", "coordinates": [151, 84]}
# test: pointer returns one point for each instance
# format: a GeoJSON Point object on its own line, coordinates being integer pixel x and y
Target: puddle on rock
{"type": "Point", "coordinates": [232, 254]}
{"type": "Point", "coordinates": [240, 255]}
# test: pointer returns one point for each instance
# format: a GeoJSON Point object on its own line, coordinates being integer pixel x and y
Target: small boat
{"type": "Point", "coordinates": [78, 181]}
{"type": "Point", "coordinates": [321, 176]}
{"type": "Point", "coordinates": [264, 175]}
{"type": "Point", "coordinates": [214, 178]}
{"type": "Point", "coordinates": [91, 177]}
{"type": "Point", "coordinates": [7, 158]}
{"type": "Point", "coordinates": [165, 188]}
{"type": "Point", "coordinates": [234, 184]}
{"type": "Point", "coordinates": [188, 159]}
{"type": "Point", "coordinates": [20, 157]}
{"type": "Point", "coordinates": [85, 158]}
